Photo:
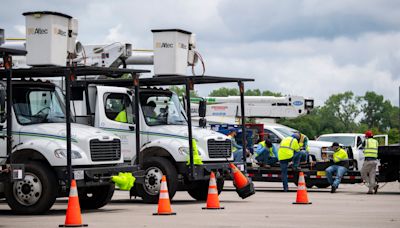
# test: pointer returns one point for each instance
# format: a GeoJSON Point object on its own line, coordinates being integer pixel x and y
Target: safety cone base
{"type": "Point", "coordinates": [80, 225]}
{"type": "Point", "coordinates": [302, 203]}
{"type": "Point", "coordinates": [213, 208]}
{"type": "Point", "coordinates": [172, 213]}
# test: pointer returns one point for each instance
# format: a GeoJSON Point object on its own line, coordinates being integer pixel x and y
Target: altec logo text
{"type": "Point", "coordinates": [164, 45]}
{"type": "Point", "coordinates": [36, 31]}
{"type": "Point", "coordinates": [60, 32]}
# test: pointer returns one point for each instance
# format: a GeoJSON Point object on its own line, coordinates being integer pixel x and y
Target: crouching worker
{"type": "Point", "coordinates": [339, 167]}
{"type": "Point", "coordinates": [266, 153]}
{"type": "Point", "coordinates": [237, 149]}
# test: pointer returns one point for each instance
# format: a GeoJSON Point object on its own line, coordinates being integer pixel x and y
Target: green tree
{"type": "Point", "coordinates": [342, 106]}
{"type": "Point", "coordinates": [377, 111]}
{"type": "Point", "coordinates": [308, 124]}
{"type": "Point", "coordinates": [180, 91]}
{"type": "Point", "coordinates": [270, 93]}
{"type": "Point", "coordinates": [252, 92]}
{"type": "Point", "coordinates": [224, 92]}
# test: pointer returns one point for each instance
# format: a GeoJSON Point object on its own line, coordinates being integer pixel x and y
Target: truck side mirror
{"type": "Point", "coordinates": [202, 108]}
{"type": "Point", "coordinates": [202, 123]}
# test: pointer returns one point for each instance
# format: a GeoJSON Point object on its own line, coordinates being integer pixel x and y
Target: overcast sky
{"type": "Point", "coordinates": [301, 47]}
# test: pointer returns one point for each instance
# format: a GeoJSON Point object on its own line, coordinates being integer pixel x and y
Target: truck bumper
{"type": "Point", "coordinates": [202, 172]}
{"type": "Point", "coordinates": [97, 176]}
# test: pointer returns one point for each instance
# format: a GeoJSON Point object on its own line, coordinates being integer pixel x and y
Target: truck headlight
{"type": "Point", "coordinates": [62, 153]}
{"type": "Point", "coordinates": [183, 150]}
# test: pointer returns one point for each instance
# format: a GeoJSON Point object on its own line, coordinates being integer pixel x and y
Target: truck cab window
{"type": "Point", "coordinates": [272, 136]}
{"type": "Point", "coordinates": [162, 108]}
{"type": "Point", "coordinates": [38, 105]}
{"type": "Point", "coordinates": [118, 107]}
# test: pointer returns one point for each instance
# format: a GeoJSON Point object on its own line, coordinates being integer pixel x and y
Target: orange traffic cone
{"type": "Point", "coordinates": [212, 197]}
{"type": "Point", "coordinates": [302, 197]}
{"type": "Point", "coordinates": [244, 187]}
{"type": "Point", "coordinates": [164, 205]}
{"type": "Point", "coordinates": [73, 217]}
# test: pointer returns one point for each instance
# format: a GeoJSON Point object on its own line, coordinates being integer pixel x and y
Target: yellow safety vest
{"type": "Point", "coordinates": [371, 148]}
{"type": "Point", "coordinates": [271, 153]}
{"type": "Point", "coordinates": [340, 155]}
{"type": "Point", "coordinates": [288, 146]}
{"type": "Point", "coordinates": [301, 142]}
{"type": "Point", "coordinates": [121, 117]}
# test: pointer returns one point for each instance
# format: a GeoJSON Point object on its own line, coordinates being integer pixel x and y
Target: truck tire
{"type": "Point", "coordinates": [155, 168]}
{"type": "Point", "coordinates": [95, 197]}
{"type": "Point", "coordinates": [35, 194]}
{"type": "Point", "coordinates": [322, 185]}
{"type": "Point", "coordinates": [200, 191]}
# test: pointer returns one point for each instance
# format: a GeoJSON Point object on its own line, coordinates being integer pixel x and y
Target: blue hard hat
{"type": "Point", "coordinates": [296, 136]}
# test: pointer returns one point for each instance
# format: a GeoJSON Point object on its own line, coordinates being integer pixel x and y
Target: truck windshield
{"type": "Point", "coordinates": [162, 109]}
{"type": "Point", "coordinates": [345, 140]}
{"type": "Point", "coordinates": [38, 105]}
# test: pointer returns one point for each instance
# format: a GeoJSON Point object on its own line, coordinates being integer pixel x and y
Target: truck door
{"type": "Point", "coordinates": [382, 139]}
{"type": "Point", "coordinates": [119, 119]}
{"type": "Point", "coordinates": [3, 117]}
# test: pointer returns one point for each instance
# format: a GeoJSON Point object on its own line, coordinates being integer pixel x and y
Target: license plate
{"type": "Point", "coordinates": [321, 173]}
{"type": "Point", "coordinates": [79, 174]}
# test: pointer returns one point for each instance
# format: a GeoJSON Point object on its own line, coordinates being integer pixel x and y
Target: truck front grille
{"type": "Point", "coordinates": [219, 149]}
{"type": "Point", "coordinates": [105, 150]}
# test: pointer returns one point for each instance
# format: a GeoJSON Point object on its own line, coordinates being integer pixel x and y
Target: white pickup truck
{"type": "Point", "coordinates": [277, 132]}
{"type": "Point", "coordinates": [350, 140]}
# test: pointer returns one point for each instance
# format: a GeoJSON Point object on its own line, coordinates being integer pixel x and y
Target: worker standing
{"type": "Point", "coordinates": [289, 150]}
{"type": "Point", "coordinates": [339, 166]}
{"type": "Point", "coordinates": [266, 153]}
{"type": "Point", "coordinates": [368, 171]}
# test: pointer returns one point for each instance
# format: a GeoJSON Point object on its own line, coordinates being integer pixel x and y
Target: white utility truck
{"type": "Point", "coordinates": [165, 126]}
{"type": "Point", "coordinates": [40, 150]}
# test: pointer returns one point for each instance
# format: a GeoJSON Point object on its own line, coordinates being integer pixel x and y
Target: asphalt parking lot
{"type": "Point", "coordinates": [349, 207]}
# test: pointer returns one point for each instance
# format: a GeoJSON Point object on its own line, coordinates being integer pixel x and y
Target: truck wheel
{"type": "Point", "coordinates": [200, 191]}
{"type": "Point", "coordinates": [35, 194]}
{"type": "Point", "coordinates": [322, 185]}
{"type": "Point", "coordinates": [155, 168]}
{"type": "Point", "coordinates": [95, 197]}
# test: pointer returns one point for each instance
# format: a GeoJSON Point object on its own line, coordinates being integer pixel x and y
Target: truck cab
{"type": "Point", "coordinates": [163, 137]}
{"type": "Point", "coordinates": [39, 135]}
{"type": "Point", "coordinates": [354, 141]}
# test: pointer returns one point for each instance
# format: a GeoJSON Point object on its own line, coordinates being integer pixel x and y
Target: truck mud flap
{"type": "Point", "coordinates": [202, 172]}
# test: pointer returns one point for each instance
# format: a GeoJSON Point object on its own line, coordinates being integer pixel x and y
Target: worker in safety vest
{"type": "Point", "coordinates": [289, 150]}
{"type": "Point", "coordinates": [125, 115]}
{"type": "Point", "coordinates": [368, 171]}
{"type": "Point", "coordinates": [303, 143]}
{"type": "Point", "coordinates": [266, 153]}
{"type": "Point", "coordinates": [339, 166]}
{"type": "Point", "coordinates": [237, 149]}
{"type": "Point", "coordinates": [122, 117]}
